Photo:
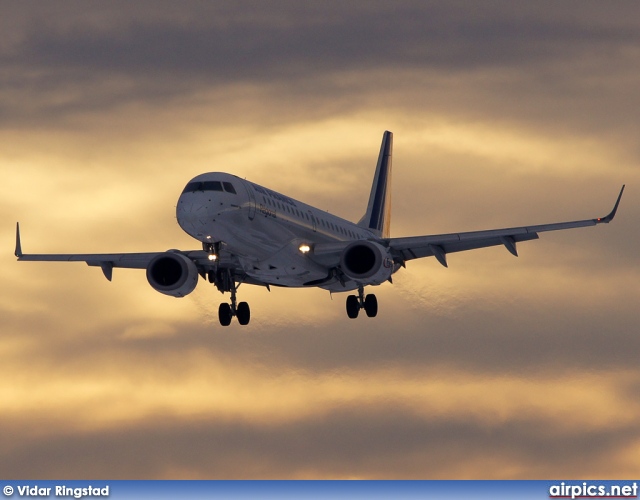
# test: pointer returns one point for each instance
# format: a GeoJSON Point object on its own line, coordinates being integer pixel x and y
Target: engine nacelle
{"type": "Point", "coordinates": [366, 262]}
{"type": "Point", "coordinates": [172, 273]}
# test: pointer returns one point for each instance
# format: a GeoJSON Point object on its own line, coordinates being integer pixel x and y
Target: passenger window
{"type": "Point", "coordinates": [228, 187]}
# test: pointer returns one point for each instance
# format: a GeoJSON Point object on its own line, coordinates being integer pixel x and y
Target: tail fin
{"type": "Point", "coordinates": [378, 215]}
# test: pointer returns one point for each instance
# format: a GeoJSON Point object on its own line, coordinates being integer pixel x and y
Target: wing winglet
{"type": "Point", "coordinates": [612, 214]}
{"type": "Point", "coordinates": [18, 252]}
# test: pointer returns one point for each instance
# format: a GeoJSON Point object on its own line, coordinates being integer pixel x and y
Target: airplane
{"type": "Point", "coordinates": [256, 236]}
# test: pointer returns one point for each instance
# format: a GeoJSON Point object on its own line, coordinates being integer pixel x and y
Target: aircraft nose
{"type": "Point", "coordinates": [184, 210]}
{"type": "Point", "coordinates": [190, 214]}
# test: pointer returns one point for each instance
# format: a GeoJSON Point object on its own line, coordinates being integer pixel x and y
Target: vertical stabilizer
{"type": "Point", "coordinates": [378, 216]}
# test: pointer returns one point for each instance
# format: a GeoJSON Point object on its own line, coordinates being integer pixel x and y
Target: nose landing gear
{"type": "Point", "coordinates": [357, 302]}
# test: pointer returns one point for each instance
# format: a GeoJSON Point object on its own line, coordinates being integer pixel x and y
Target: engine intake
{"type": "Point", "coordinates": [172, 273]}
{"type": "Point", "coordinates": [366, 262]}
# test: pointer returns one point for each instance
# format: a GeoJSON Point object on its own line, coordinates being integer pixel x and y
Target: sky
{"type": "Point", "coordinates": [504, 113]}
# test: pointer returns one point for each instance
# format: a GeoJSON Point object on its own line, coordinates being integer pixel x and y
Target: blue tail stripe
{"type": "Point", "coordinates": [377, 213]}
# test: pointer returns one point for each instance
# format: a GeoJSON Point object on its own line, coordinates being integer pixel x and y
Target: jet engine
{"type": "Point", "coordinates": [366, 262]}
{"type": "Point", "coordinates": [172, 273]}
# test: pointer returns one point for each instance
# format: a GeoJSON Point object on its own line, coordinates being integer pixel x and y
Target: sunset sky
{"type": "Point", "coordinates": [504, 113]}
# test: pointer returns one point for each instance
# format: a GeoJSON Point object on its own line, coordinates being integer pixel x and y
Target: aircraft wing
{"type": "Point", "coordinates": [107, 261]}
{"type": "Point", "coordinates": [439, 246]}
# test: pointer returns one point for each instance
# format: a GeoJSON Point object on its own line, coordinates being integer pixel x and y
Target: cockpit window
{"type": "Point", "coordinates": [192, 186]}
{"type": "Point", "coordinates": [228, 187]}
{"type": "Point", "coordinates": [203, 186]}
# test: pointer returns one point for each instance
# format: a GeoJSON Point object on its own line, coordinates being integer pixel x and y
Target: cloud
{"type": "Point", "coordinates": [226, 43]}
{"type": "Point", "coordinates": [72, 61]}
{"type": "Point", "coordinates": [344, 443]}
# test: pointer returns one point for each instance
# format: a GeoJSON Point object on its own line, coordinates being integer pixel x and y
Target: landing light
{"type": "Point", "coordinates": [304, 248]}
{"type": "Point", "coordinates": [213, 256]}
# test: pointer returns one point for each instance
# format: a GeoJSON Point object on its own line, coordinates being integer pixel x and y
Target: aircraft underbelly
{"type": "Point", "coordinates": [268, 248]}
{"type": "Point", "coordinates": [287, 266]}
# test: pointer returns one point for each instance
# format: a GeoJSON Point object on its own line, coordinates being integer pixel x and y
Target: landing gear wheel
{"type": "Point", "coordinates": [243, 313]}
{"type": "Point", "coordinates": [225, 314]}
{"type": "Point", "coordinates": [353, 306]}
{"type": "Point", "coordinates": [371, 305]}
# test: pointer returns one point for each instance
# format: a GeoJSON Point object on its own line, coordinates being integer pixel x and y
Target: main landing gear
{"type": "Point", "coordinates": [227, 311]}
{"type": "Point", "coordinates": [357, 302]}
{"type": "Point", "coordinates": [225, 282]}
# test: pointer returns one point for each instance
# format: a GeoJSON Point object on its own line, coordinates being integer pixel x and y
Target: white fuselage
{"type": "Point", "coordinates": [262, 228]}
